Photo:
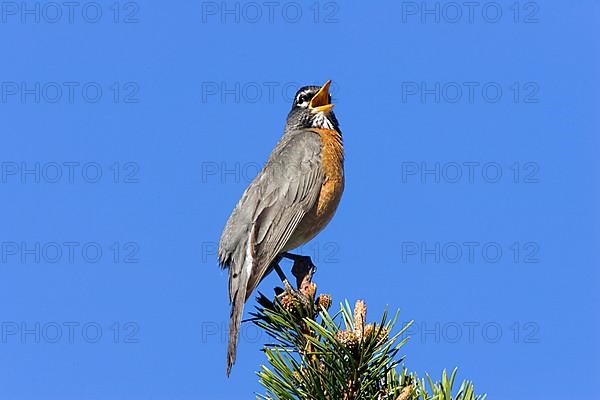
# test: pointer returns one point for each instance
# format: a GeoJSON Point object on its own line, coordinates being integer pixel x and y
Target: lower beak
{"type": "Point", "coordinates": [320, 102]}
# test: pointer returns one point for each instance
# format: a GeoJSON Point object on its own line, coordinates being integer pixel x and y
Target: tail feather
{"type": "Point", "coordinates": [239, 274]}
{"type": "Point", "coordinates": [235, 319]}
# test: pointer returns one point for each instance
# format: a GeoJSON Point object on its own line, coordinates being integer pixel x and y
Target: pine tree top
{"type": "Point", "coordinates": [316, 355]}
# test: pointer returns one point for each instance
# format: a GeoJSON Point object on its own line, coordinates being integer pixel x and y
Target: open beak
{"type": "Point", "coordinates": [320, 103]}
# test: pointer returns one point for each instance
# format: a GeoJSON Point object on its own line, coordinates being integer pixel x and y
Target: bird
{"type": "Point", "coordinates": [290, 201]}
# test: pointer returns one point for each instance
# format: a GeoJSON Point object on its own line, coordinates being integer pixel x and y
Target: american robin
{"type": "Point", "coordinates": [288, 203]}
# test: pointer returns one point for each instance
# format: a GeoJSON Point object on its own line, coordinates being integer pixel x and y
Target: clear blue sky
{"type": "Point", "coordinates": [471, 201]}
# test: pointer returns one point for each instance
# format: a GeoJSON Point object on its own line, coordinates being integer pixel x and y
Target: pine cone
{"type": "Point", "coordinates": [287, 302]}
{"type": "Point", "coordinates": [405, 393]}
{"type": "Point", "coordinates": [324, 300]}
{"type": "Point", "coordinates": [347, 338]}
{"type": "Point", "coordinates": [369, 329]}
{"type": "Point", "coordinates": [309, 290]}
{"type": "Point", "coordinates": [360, 315]}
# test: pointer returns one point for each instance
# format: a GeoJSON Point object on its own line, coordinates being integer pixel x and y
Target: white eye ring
{"type": "Point", "coordinates": [304, 102]}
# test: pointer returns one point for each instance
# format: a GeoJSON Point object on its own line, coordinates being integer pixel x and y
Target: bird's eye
{"type": "Point", "coordinates": [302, 99]}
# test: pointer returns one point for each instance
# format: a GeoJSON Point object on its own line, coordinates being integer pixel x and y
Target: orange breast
{"type": "Point", "coordinates": [332, 161]}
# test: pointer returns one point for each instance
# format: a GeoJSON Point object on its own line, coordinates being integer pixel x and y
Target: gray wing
{"type": "Point", "coordinates": [266, 216]}
{"type": "Point", "coordinates": [272, 207]}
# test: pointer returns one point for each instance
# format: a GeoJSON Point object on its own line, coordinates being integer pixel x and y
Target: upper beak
{"type": "Point", "coordinates": [321, 100]}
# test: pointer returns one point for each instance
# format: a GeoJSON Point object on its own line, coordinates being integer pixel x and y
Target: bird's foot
{"type": "Point", "coordinates": [303, 270]}
{"type": "Point", "coordinates": [287, 287]}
